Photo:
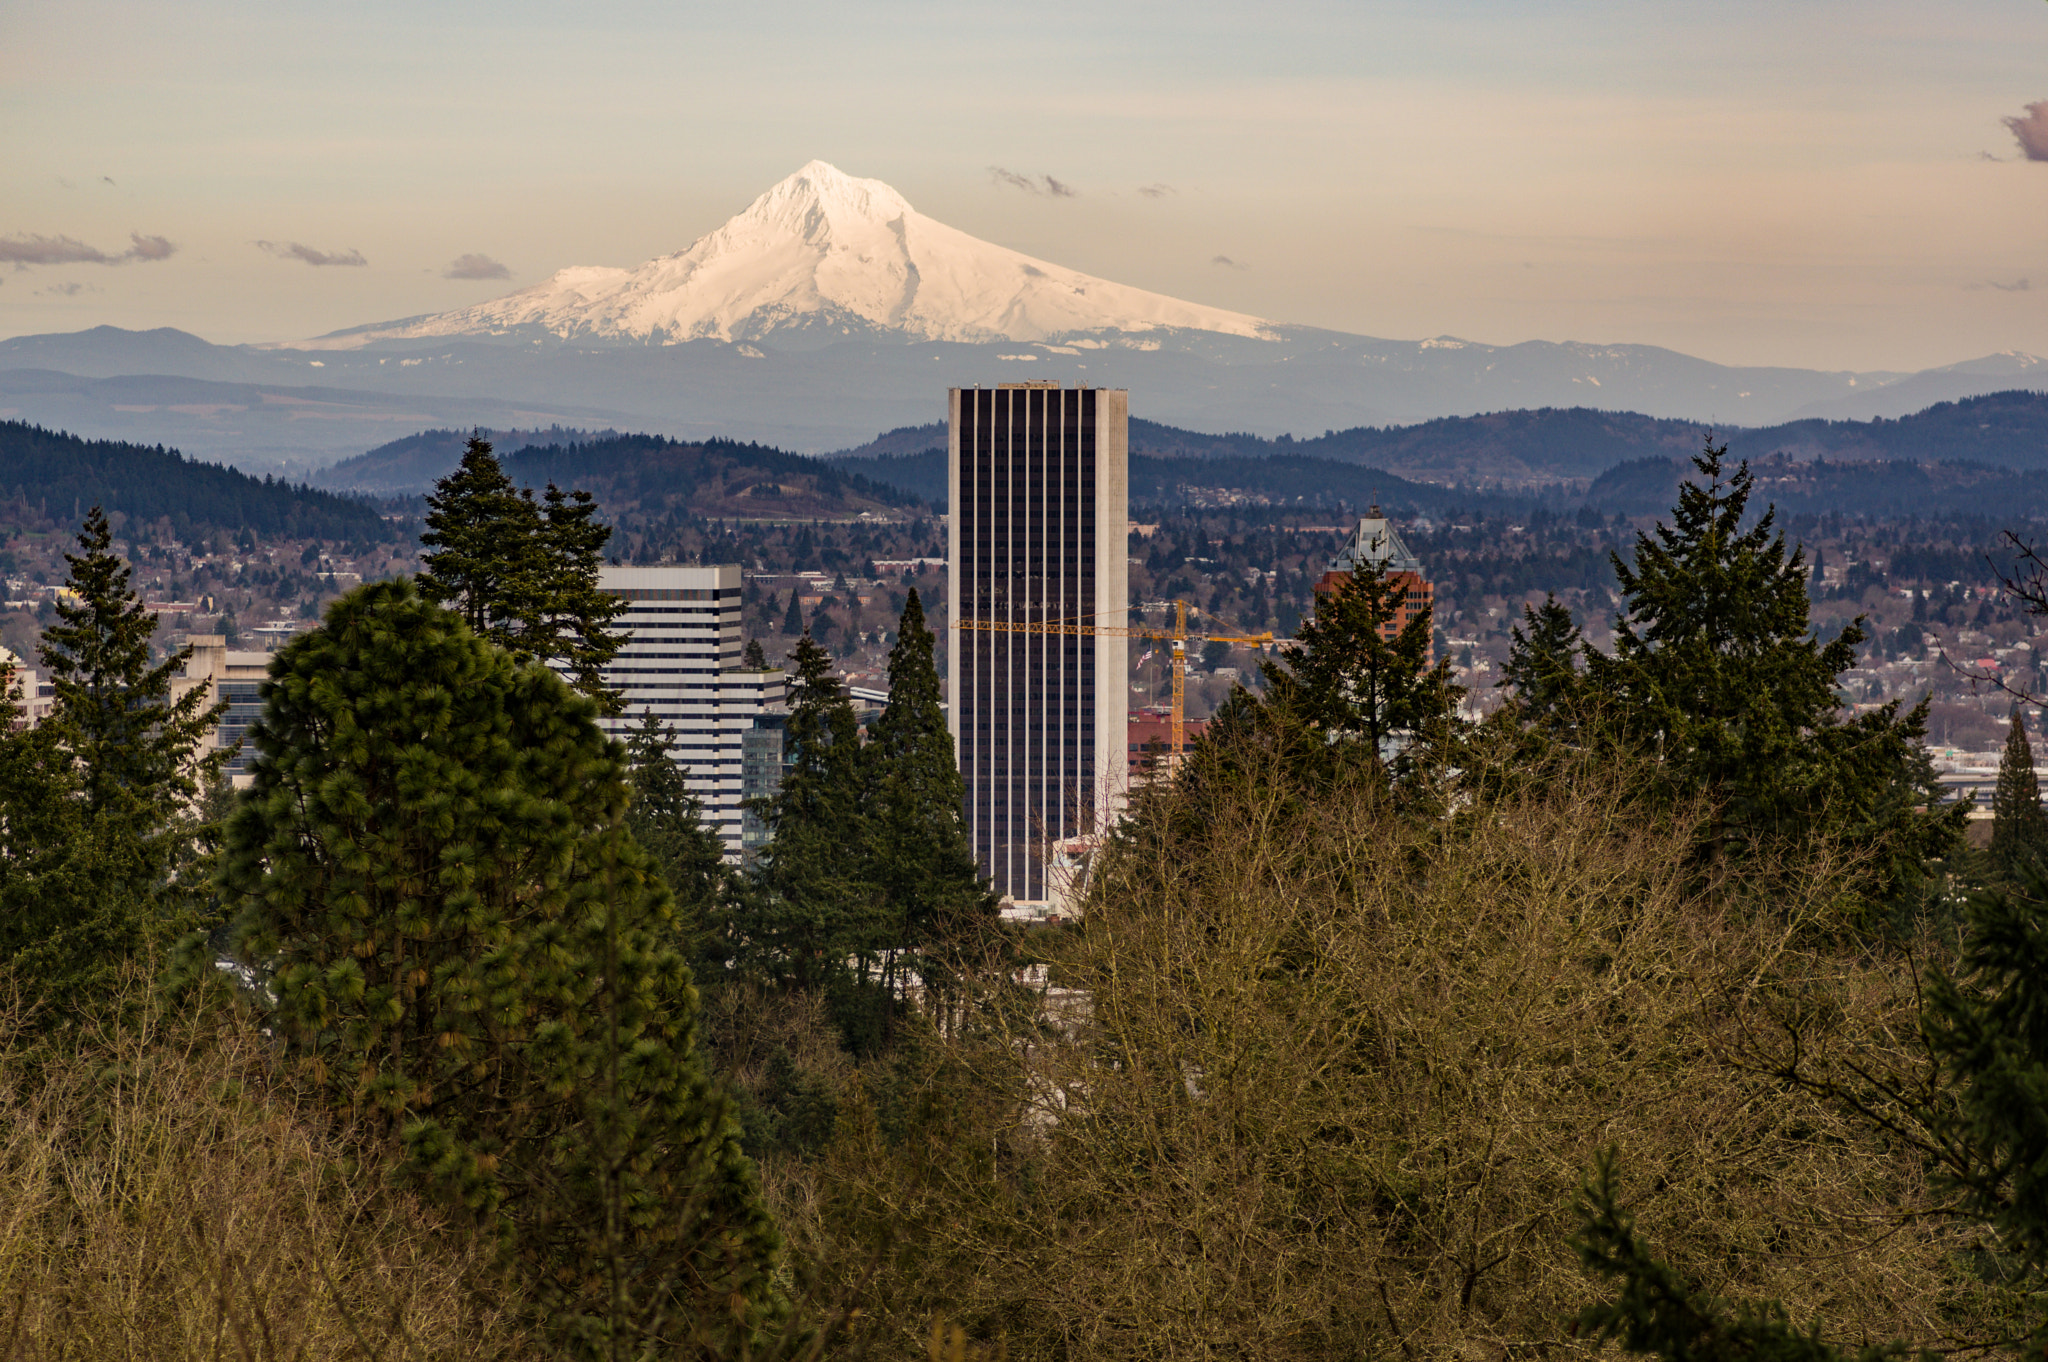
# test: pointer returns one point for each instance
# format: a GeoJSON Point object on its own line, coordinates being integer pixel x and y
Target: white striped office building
{"type": "Point", "coordinates": [681, 659]}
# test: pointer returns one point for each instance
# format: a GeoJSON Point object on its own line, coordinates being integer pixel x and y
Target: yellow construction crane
{"type": "Point", "coordinates": [1178, 636]}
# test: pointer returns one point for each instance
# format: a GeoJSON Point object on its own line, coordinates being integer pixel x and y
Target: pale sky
{"type": "Point", "coordinates": [1802, 182]}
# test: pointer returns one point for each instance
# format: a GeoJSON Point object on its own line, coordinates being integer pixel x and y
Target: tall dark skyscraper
{"type": "Point", "coordinates": [1037, 535]}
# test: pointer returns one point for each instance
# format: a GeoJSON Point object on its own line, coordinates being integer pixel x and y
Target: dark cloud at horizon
{"type": "Point", "coordinates": [1156, 191]}
{"type": "Point", "coordinates": [2031, 132]}
{"type": "Point", "coordinates": [296, 250]}
{"type": "Point", "coordinates": [36, 249]}
{"type": "Point", "coordinates": [1228, 263]}
{"type": "Point", "coordinates": [2017, 286]}
{"type": "Point", "coordinates": [475, 266]}
{"type": "Point", "coordinates": [1043, 185]}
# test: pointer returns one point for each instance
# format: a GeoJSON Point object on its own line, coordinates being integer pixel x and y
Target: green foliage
{"type": "Point", "coordinates": [148, 483]}
{"type": "Point", "coordinates": [1349, 696]}
{"type": "Point", "coordinates": [929, 885]}
{"type": "Point", "coordinates": [810, 896]}
{"type": "Point", "coordinates": [522, 572]}
{"type": "Point", "coordinates": [2019, 832]}
{"type": "Point", "coordinates": [465, 948]}
{"type": "Point", "coordinates": [1543, 667]}
{"type": "Point", "coordinates": [58, 922]}
{"type": "Point", "coordinates": [667, 820]}
{"type": "Point", "coordinates": [1716, 671]}
{"type": "Point", "coordinates": [102, 802]}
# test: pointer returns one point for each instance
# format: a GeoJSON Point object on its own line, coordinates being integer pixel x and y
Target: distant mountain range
{"type": "Point", "coordinates": [829, 309]}
{"type": "Point", "coordinates": [1520, 449]}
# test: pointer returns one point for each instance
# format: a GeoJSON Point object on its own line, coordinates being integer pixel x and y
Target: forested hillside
{"type": "Point", "coordinates": [649, 474]}
{"type": "Point", "coordinates": [2001, 430]}
{"type": "Point", "coordinates": [49, 476]}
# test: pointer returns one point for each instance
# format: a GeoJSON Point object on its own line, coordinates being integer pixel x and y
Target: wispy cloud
{"type": "Point", "coordinates": [1043, 185]}
{"type": "Point", "coordinates": [295, 250]}
{"type": "Point", "coordinates": [1157, 191]}
{"type": "Point", "coordinates": [2016, 286]}
{"type": "Point", "coordinates": [1227, 263]}
{"type": "Point", "coordinates": [2032, 131]}
{"type": "Point", "coordinates": [35, 249]}
{"type": "Point", "coordinates": [70, 288]}
{"type": "Point", "coordinates": [475, 266]}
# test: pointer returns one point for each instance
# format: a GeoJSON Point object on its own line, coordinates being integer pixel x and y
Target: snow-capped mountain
{"type": "Point", "coordinates": [823, 252]}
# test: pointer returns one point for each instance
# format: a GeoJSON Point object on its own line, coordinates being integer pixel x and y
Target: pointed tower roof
{"type": "Point", "coordinates": [1376, 545]}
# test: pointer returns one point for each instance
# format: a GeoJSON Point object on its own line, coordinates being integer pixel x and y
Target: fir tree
{"type": "Point", "coordinates": [138, 750]}
{"type": "Point", "coordinates": [810, 897]}
{"type": "Point", "coordinates": [667, 819]}
{"type": "Point", "coordinates": [460, 941]}
{"type": "Point", "coordinates": [1543, 667]}
{"type": "Point", "coordinates": [1716, 671]}
{"type": "Point", "coordinates": [754, 659]}
{"type": "Point", "coordinates": [1351, 681]}
{"type": "Point", "coordinates": [48, 923]}
{"type": "Point", "coordinates": [119, 865]}
{"type": "Point", "coordinates": [793, 618]}
{"type": "Point", "coordinates": [523, 572]}
{"type": "Point", "coordinates": [2019, 832]}
{"type": "Point", "coordinates": [922, 866]}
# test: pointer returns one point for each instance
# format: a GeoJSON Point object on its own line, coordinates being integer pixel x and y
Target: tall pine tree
{"type": "Point", "coordinates": [931, 890]}
{"type": "Point", "coordinates": [810, 899]}
{"type": "Point", "coordinates": [140, 753]}
{"type": "Point", "coordinates": [1543, 667]}
{"type": "Point", "coordinates": [2019, 832]}
{"type": "Point", "coordinates": [522, 571]}
{"type": "Point", "coordinates": [126, 763]}
{"type": "Point", "coordinates": [667, 819]}
{"type": "Point", "coordinates": [1716, 672]}
{"type": "Point", "coordinates": [1354, 684]}
{"type": "Point", "coordinates": [463, 945]}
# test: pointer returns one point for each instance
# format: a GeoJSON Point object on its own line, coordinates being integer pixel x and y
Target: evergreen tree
{"type": "Point", "coordinates": [138, 750]}
{"type": "Point", "coordinates": [793, 618]}
{"type": "Point", "coordinates": [1543, 667]}
{"type": "Point", "coordinates": [102, 801]}
{"type": "Point", "coordinates": [811, 898]}
{"type": "Point", "coordinates": [667, 820]}
{"type": "Point", "coordinates": [523, 572]}
{"type": "Point", "coordinates": [922, 866]}
{"type": "Point", "coordinates": [754, 659]}
{"type": "Point", "coordinates": [2019, 832]}
{"type": "Point", "coordinates": [48, 892]}
{"type": "Point", "coordinates": [1350, 681]}
{"type": "Point", "coordinates": [463, 945]}
{"type": "Point", "coordinates": [1716, 671]}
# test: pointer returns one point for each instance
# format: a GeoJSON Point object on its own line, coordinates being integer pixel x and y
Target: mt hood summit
{"type": "Point", "coordinates": [824, 253]}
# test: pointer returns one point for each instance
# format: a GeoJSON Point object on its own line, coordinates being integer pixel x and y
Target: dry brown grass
{"type": "Point", "coordinates": [165, 1199]}
{"type": "Point", "coordinates": [1342, 1076]}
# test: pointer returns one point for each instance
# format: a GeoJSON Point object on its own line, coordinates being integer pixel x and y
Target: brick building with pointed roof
{"type": "Point", "coordinates": [1376, 546]}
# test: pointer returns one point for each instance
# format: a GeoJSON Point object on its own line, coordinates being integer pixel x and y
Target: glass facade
{"type": "Point", "coordinates": [1038, 535]}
